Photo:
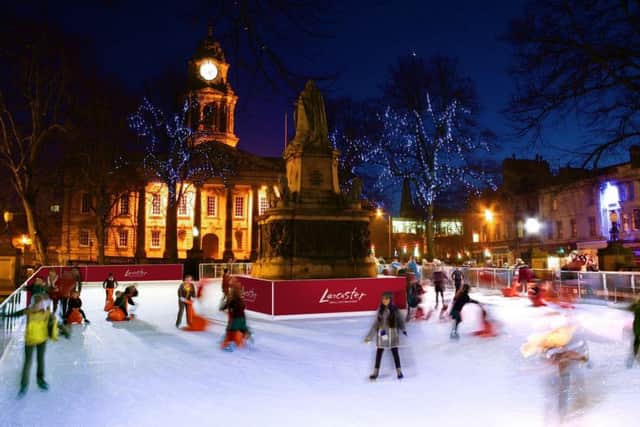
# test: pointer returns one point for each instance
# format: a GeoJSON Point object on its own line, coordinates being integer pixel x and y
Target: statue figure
{"type": "Point", "coordinates": [271, 197]}
{"type": "Point", "coordinates": [285, 193]}
{"type": "Point", "coordinates": [310, 117]}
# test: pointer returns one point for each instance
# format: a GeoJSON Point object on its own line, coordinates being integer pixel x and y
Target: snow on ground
{"type": "Point", "coordinates": [314, 372]}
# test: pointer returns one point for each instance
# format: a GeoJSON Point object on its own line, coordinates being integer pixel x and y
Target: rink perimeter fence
{"type": "Point", "coordinates": [91, 275]}
{"type": "Point", "coordinates": [216, 270]}
{"type": "Point", "coordinates": [583, 286]}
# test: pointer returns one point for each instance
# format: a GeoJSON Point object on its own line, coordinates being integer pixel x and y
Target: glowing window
{"type": "Point", "coordinates": [155, 205]}
{"type": "Point", "coordinates": [155, 238]}
{"type": "Point", "coordinates": [83, 238]}
{"type": "Point", "coordinates": [124, 204]}
{"type": "Point", "coordinates": [263, 204]}
{"type": "Point", "coordinates": [212, 205]}
{"type": "Point", "coordinates": [238, 210]}
{"type": "Point", "coordinates": [182, 205]}
{"type": "Point", "coordinates": [123, 238]}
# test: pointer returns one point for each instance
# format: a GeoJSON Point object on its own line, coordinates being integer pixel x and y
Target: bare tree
{"type": "Point", "coordinates": [578, 57]}
{"type": "Point", "coordinates": [33, 82]}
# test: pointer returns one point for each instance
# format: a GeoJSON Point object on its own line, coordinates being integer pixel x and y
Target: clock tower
{"type": "Point", "coordinates": [212, 100]}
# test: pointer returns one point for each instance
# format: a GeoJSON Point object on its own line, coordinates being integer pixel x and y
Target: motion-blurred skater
{"type": "Point", "coordinates": [386, 329]}
{"type": "Point", "coordinates": [237, 331]}
{"type": "Point", "coordinates": [459, 301]}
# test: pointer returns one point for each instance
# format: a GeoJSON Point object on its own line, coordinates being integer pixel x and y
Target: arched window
{"type": "Point", "coordinates": [208, 115]}
{"type": "Point", "coordinates": [194, 113]}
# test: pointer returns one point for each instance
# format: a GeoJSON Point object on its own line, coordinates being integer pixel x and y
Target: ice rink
{"type": "Point", "coordinates": [315, 372]}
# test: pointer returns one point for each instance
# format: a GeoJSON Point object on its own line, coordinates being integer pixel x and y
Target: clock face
{"type": "Point", "coordinates": [208, 70]}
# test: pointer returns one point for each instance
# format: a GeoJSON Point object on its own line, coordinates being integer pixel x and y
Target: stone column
{"type": "Point", "coordinates": [254, 223]}
{"type": "Point", "coordinates": [197, 218]}
{"type": "Point", "coordinates": [228, 224]}
{"type": "Point", "coordinates": [196, 250]}
{"type": "Point", "coordinates": [141, 231]}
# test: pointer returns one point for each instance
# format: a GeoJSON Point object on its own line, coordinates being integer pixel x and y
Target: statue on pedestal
{"type": "Point", "coordinates": [311, 118]}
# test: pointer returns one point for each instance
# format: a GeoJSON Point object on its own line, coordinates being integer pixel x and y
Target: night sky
{"type": "Point", "coordinates": [137, 43]}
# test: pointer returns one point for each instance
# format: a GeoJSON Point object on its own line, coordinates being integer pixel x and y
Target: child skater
{"type": "Point", "coordinates": [186, 293]}
{"type": "Point", "coordinates": [109, 284]}
{"type": "Point", "coordinates": [41, 325]}
{"type": "Point", "coordinates": [386, 326]}
{"type": "Point", "coordinates": [635, 308]}
{"type": "Point", "coordinates": [75, 313]}
{"type": "Point", "coordinates": [459, 301]}
{"type": "Point", "coordinates": [237, 330]}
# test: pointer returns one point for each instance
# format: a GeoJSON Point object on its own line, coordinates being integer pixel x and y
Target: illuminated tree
{"type": "Point", "coordinates": [433, 151]}
{"type": "Point", "coordinates": [172, 158]}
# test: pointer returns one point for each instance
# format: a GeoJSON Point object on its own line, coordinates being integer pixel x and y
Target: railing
{"type": "Point", "coordinates": [14, 302]}
{"type": "Point", "coordinates": [614, 286]}
{"type": "Point", "coordinates": [215, 270]}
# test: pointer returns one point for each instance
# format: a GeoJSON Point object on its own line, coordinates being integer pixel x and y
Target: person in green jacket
{"type": "Point", "coordinates": [635, 308]}
{"type": "Point", "coordinates": [41, 325]}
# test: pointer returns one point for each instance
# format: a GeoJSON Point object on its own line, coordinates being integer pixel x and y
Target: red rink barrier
{"type": "Point", "coordinates": [320, 296]}
{"type": "Point", "coordinates": [122, 273]}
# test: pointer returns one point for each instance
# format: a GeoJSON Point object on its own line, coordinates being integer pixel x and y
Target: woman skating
{"type": "Point", "coordinates": [458, 303]}
{"type": "Point", "coordinates": [386, 329]}
{"type": "Point", "coordinates": [237, 331]}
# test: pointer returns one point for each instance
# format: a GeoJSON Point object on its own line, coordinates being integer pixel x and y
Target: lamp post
{"type": "Point", "coordinates": [614, 232]}
{"type": "Point", "coordinates": [380, 213]}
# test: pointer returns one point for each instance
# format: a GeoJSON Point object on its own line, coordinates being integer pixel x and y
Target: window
{"type": "Point", "coordinates": [630, 190]}
{"type": "Point", "coordinates": [85, 205]}
{"type": "Point", "coordinates": [625, 222]}
{"type": "Point", "coordinates": [238, 207]}
{"type": "Point", "coordinates": [212, 205]}
{"type": "Point", "coordinates": [574, 228]}
{"type": "Point", "coordinates": [550, 230]}
{"type": "Point", "coordinates": [263, 204]}
{"type": "Point", "coordinates": [182, 205]}
{"type": "Point", "coordinates": [83, 239]}
{"type": "Point", "coordinates": [485, 233]}
{"type": "Point", "coordinates": [155, 238]}
{"type": "Point", "coordinates": [54, 208]}
{"type": "Point", "coordinates": [123, 238]}
{"type": "Point", "coordinates": [155, 205]}
{"type": "Point", "coordinates": [559, 234]}
{"type": "Point", "coordinates": [636, 219]}
{"type": "Point", "coordinates": [554, 204]}
{"type": "Point", "coordinates": [592, 225]}
{"type": "Point", "coordinates": [520, 229]}
{"type": "Point", "coordinates": [476, 237]}
{"type": "Point", "coordinates": [497, 232]}
{"type": "Point", "coordinates": [124, 204]}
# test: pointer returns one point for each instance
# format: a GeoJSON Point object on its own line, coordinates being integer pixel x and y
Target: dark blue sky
{"type": "Point", "coordinates": [138, 42]}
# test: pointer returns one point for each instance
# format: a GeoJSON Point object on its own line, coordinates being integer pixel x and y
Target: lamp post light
{"type": "Point", "coordinates": [379, 214]}
{"type": "Point", "coordinates": [532, 226]}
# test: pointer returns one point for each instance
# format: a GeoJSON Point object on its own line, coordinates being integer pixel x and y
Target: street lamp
{"type": "Point", "coordinates": [488, 215]}
{"type": "Point", "coordinates": [532, 226]}
{"type": "Point", "coordinates": [379, 214]}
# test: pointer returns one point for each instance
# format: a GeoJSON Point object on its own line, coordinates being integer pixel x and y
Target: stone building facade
{"type": "Point", "coordinates": [216, 220]}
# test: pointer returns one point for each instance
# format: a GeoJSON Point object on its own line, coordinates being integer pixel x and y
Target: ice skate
{"type": "Point", "coordinates": [43, 385]}
{"type": "Point", "coordinates": [400, 375]}
{"type": "Point", "coordinates": [22, 392]}
{"type": "Point", "coordinates": [374, 375]}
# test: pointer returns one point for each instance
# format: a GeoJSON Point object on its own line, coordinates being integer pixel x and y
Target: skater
{"type": "Point", "coordinates": [186, 293]}
{"type": "Point", "coordinates": [77, 280]}
{"type": "Point", "coordinates": [457, 277]}
{"type": "Point", "coordinates": [120, 310]}
{"type": "Point", "coordinates": [226, 280]}
{"type": "Point", "coordinates": [635, 308]}
{"type": "Point", "coordinates": [524, 277]}
{"type": "Point", "coordinates": [386, 326]}
{"type": "Point", "coordinates": [459, 301]}
{"type": "Point", "coordinates": [109, 285]}
{"type": "Point", "coordinates": [237, 331]}
{"type": "Point", "coordinates": [438, 283]}
{"type": "Point", "coordinates": [38, 286]}
{"type": "Point", "coordinates": [75, 313]}
{"type": "Point", "coordinates": [412, 266]}
{"type": "Point", "coordinates": [41, 325]}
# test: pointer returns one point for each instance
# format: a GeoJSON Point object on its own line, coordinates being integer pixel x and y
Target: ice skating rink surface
{"type": "Point", "coordinates": [315, 372]}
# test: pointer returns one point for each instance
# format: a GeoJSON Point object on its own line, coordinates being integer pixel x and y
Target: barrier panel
{"type": "Point", "coordinates": [321, 296]}
{"type": "Point", "coordinates": [216, 269]}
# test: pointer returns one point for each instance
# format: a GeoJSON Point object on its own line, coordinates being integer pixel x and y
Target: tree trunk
{"type": "Point", "coordinates": [171, 226]}
{"type": "Point", "coordinates": [430, 233]}
{"type": "Point", "coordinates": [100, 232]}
{"type": "Point", "coordinates": [34, 231]}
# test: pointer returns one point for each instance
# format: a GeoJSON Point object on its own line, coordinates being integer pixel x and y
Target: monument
{"type": "Point", "coordinates": [312, 230]}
